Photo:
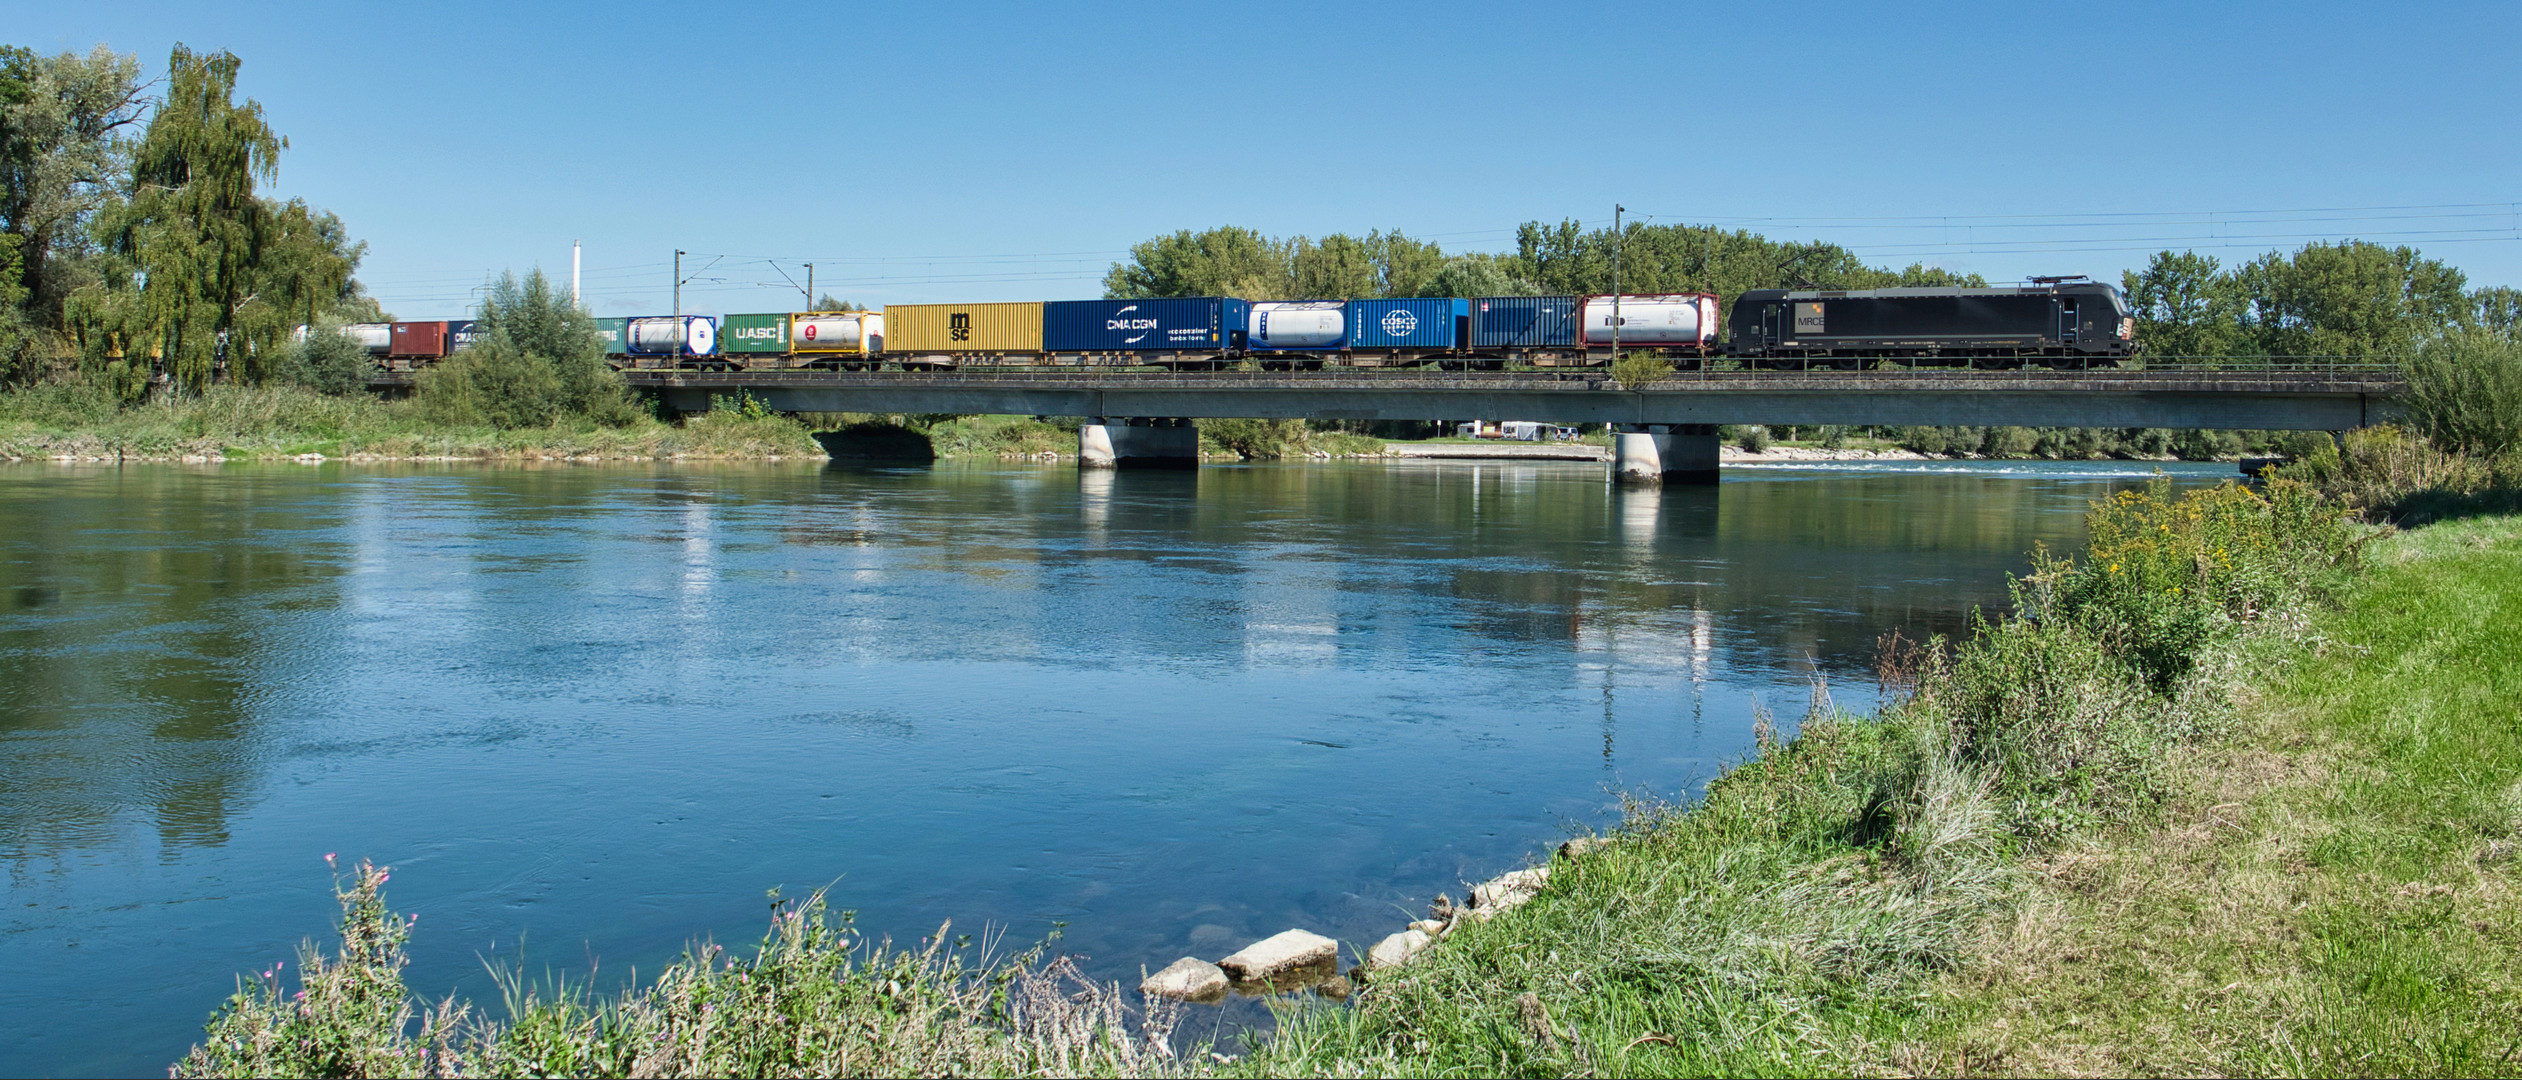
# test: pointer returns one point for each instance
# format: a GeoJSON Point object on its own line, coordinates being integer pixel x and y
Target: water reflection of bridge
{"type": "Point", "coordinates": [1668, 426]}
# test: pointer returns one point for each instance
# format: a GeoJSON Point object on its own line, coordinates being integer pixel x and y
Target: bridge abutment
{"type": "Point", "coordinates": [1138, 442]}
{"type": "Point", "coordinates": [1664, 453]}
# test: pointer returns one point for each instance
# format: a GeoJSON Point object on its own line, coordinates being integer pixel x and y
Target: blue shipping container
{"type": "Point", "coordinates": [1523, 322]}
{"type": "Point", "coordinates": [1417, 323]}
{"type": "Point", "coordinates": [462, 334]}
{"type": "Point", "coordinates": [1182, 324]}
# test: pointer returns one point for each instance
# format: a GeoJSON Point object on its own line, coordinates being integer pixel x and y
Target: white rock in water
{"type": "Point", "coordinates": [1280, 953]}
{"type": "Point", "coordinates": [1189, 977]}
{"type": "Point", "coordinates": [1397, 950]}
{"type": "Point", "coordinates": [1507, 890]}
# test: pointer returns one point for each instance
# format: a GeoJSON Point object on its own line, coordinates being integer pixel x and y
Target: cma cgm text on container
{"type": "Point", "coordinates": [1191, 324]}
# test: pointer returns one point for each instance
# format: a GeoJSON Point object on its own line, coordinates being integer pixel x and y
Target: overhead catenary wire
{"type": "Point", "coordinates": [1928, 236]}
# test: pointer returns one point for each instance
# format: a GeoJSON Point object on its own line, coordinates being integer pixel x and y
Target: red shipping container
{"type": "Point", "coordinates": [419, 339]}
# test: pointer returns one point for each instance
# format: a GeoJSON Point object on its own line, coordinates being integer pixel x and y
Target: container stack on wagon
{"type": "Point", "coordinates": [1173, 332]}
{"type": "Point", "coordinates": [942, 335]}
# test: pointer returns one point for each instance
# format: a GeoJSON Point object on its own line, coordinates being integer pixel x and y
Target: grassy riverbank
{"type": "Point", "coordinates": [70, 420]}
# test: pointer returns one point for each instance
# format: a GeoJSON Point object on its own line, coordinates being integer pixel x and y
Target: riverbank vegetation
{"type": "Point", "coordinates": [74, 421]}
{"type": "Point", "coordinates": [2231, 790]}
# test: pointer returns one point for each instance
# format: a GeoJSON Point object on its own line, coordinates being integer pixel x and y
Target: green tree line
{"type": "Point", "coordinates": [134, 240]}
{"type": "Point", "coordinates": [2350, 299]}
{"type": "Point", "coordinates": [1560, 259]}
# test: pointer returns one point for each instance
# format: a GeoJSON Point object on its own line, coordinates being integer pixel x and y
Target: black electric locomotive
{"type": "Point", "coordinates": [2061, 322]}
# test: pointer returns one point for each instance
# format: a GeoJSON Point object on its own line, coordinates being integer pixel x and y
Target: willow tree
{"type": "Point", "coordinates": [200, 265]}
{"type": "Point", "coordinates": [64, 154]}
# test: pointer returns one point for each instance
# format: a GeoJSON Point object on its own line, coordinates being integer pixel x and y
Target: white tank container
{"type": "Point", "coordinates": [376, 337]}
{"type": "Point", "coordinates": [674, 335]}
{"type": "Point", "coordinates": [1645, 320]}
{"type": "Point", "coordinates": [829, 332]}
{"type": "Point", "coordinates": [1297, 324]}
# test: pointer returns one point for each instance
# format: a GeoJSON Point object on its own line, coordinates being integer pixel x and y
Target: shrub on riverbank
{"type": "Point", "coordinates": [1271, 440]}
{"type": "Point", "coordinates": [2396, 475]}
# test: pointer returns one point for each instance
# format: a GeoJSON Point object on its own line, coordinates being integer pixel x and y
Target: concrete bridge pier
{"type": "Point", "coordinates": [1664, 453]}
{"type": "Point", "coordinates": [1138, 442]}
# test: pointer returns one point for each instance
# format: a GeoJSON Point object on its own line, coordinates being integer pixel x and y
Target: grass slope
{"type": "Point", "coordinates": [2332, 890]}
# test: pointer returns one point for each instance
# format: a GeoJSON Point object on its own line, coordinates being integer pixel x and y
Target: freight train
{"type": "Point", "coordinates": [2059, 322]}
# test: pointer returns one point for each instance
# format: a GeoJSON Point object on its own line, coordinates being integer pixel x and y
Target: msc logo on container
{"type": "Point", "coordinates": [959, 326]}
{"type": "Point", "coordinates": [1400, 323]}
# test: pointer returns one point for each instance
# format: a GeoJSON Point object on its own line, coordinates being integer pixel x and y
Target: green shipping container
{"type": "Point", "coordinates": [612, 333]}
{"type": "Point", "coordinates": [754, 333]}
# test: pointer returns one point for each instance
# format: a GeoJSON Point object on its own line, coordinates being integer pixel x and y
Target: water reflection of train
{"type": "Point", "coordinates": [2057, 322]}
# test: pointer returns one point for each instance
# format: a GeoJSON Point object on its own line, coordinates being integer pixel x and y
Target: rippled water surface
{"type": "Point", "coordinates": [591, 713]}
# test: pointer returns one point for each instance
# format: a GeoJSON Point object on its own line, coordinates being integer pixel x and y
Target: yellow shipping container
{"type": "Point", "coordinates": [962, 328]}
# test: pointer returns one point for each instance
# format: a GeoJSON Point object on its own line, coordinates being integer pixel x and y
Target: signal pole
{"type": "Point", "coordinates": [1616, 210]}
{"type": "Point", "coordinates": [810, 286]}
{"type": "Point", "coordinates": [678, 281]}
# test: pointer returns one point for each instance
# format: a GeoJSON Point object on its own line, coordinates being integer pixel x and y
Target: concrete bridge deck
{"type": "Point", "coordinates": [2306, 400]}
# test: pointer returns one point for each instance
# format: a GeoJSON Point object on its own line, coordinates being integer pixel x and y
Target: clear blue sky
{"type": "Point", "coordinates": [936, 151]}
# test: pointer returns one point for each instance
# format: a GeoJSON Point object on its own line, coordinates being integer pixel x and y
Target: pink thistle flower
{"type": "Point", "coordinates": [328, 858]}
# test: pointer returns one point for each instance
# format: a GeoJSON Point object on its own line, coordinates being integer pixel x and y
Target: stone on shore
{"type": "Point", "coordinates": [1280, 953]}
{"type": "Point", "coordinates": [1397, 949]}
{"type": "Point", "coordinates": [1189, 978]}
{"type": "Point", "coordinates": [1430, 927]}
{"type": "Point", "coordinates": [1507, 890]}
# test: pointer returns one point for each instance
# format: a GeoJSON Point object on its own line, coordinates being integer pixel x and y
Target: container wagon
{"type": "Point", "coordinates": [754, 342]}
{"type": "Point", "coordinates": [2055, 322]}
{"type": "Point", "coordinates": [949, 335]}
{"type": "Point", "coordinates": [1681, 325]}
{"type": "Point", "coordinates": [1406, 330]}
{"type": "Point", "coordinates": [837, 339]}
{"type": "Point", "coordinates": [1297, 331]}
{"type": "Point", "coordinates": [614, 336]}
{"type": "Point", "coordinates": [414, 344]}
{"type": "Point", "coordinates": [1537, 330]}
{"type": "Point", "coordinates": [673, 341]}
{"type": "Point", "coordinates": [1193, 331]}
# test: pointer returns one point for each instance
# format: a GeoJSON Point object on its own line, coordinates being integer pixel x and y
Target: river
{"type": "Point", "coordinates": [588, 713]}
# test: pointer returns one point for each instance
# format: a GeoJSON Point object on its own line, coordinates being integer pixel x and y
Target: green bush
{"type": "Point", "coordinates": [1754, 439]}
{"type": "Point", "coordinates": [327, 362]}
{"type": "Point", "coordinates": [536, 363]}
{"type": "Point", "coordinates": [1640, 369]}
{"type": "Point", "coordinates": [2400, 476]}
{"type": "Point", "coordinates": [2465, 392]}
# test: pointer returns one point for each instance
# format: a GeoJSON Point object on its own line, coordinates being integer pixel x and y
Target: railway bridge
{"type": "Point", "coordinates": [1667, 429]}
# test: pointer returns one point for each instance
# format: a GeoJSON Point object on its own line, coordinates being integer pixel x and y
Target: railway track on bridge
{"type": "Point", "coordinates": [2372, 381]}
{"type": "Point", "coordinates": [2327, 397]}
